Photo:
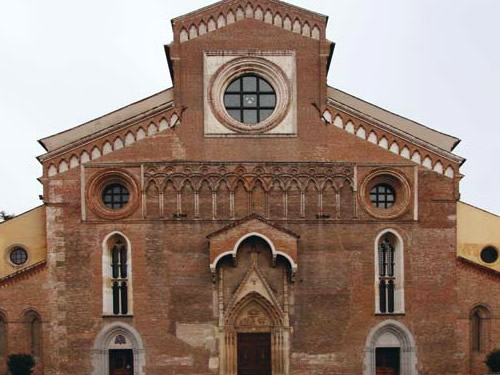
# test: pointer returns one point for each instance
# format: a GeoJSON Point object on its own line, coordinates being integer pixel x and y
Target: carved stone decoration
{"type": "Point", "coordinates": [120, 340]}
{"type": "Point", "coordinates": [253, 317]}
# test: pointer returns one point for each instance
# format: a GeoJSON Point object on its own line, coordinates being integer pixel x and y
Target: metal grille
{"type": "Point", "coordinates": [18, 256]}
{"type": "Point", "coordinates": [115, 196]}
{"type": "Point", "coordinates": [250, 99]}
{"type": "Point", "coordinates": [383, 196]}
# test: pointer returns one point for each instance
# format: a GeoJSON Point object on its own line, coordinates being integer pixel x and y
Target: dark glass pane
{"type": "Point", "coordinates": [390, 296]}
{"type": "Point", "coordinates": [390, 261]}
{"type": "Point", "coordinates": [265, 113]}
{"type": "Point", "coordinates": [250, 116]}
{"type": "Point", "coordinates": [489, 254]}
{"type": "Point", "coordinates": [268, 100]}
{"type": "Point", "coordinates": [232, 100]}
{"type": "Point", "coordinates": [114, 262]}
{"type": "Point", "coordinates": [250, 100]}
{"type": "Point", "coordinates": [116, 298]}
{"type": "Point", "coordinates": [115, 196]}
{"type": "Point", "coordinates": [264, 86]}
{"type": "Point", "coordinates": [382, 196]}
{"type": "Point", "coordinates": [124, 298]}
{"type": "Point", "coordinates": [381, 261]}
{"type": "Point", "coordinates": [249, 84]}
{"type": "Point", "coordinates": [234, 87]}
{"type": "Point", "coordinates": [123, 262]}
{"type": "Point", "coordinates": [18, 256]}
{"type": "Point", "coordinates": [235, 113]}
{"type": "Point", "coordinates": [382, 296]}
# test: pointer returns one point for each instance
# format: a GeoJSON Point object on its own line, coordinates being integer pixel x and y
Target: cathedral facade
{"type": "Point", "coordinates": [251, 220]}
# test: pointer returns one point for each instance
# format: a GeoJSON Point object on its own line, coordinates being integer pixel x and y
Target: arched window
{"type": "Point", "coordinates": [117, 276]}
{"type": "Point", "coordinates": [33, 324]}
{"type": "Point", "coordinates": [3, 338]}
{"type": "Point", "coordinates": [389, 272]}
{"type": "Point", "coordinates": [479, 319]}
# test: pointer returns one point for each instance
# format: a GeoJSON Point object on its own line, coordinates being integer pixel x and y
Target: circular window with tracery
{"type": "Point", "coordinates": [18, 256]}
{"type": "Point", "coordinates": [250, 99]}
{"type": "Point", "coordinates": [115, 196]}
{"type": "Point", "coordinates": [383, 196]}
{"type": "Point", "coordinates": [250, 95]}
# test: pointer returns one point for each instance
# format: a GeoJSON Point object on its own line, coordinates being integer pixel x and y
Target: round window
{"type": "Point", "coordinates": [18, 256]}
{"type": "Point", "coordinates": [250, 99]}
{"type": "Point", "coordinates": [115, 196]}
{"type": "Point", "coordinates": [383, 196]}
{"type": "Point", "coordinates": [489, 254]}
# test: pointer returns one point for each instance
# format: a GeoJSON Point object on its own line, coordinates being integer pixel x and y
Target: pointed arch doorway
{"type": "Point", "coordinates": [254, 290]}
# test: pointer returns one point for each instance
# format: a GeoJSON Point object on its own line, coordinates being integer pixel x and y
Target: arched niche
{"type": "Point", "coordinates": [117, 336]}
{"type": "Point", "coordinates": [391, 334]}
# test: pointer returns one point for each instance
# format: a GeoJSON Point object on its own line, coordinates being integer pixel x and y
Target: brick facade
{"type": "Point", "coordinates": [309, 269]}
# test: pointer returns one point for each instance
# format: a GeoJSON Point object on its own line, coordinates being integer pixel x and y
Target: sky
{"type": "Point", "coordinates": [64, 62]}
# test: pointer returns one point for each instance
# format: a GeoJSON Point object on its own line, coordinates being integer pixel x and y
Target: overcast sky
{"type": "Point", "coordinates": [66, 62]}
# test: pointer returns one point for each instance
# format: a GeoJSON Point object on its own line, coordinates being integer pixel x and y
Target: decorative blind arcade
{"type": "Point", "coordinates": [386, 276]}
{"type": "Point", "coordinates": [119, 278]}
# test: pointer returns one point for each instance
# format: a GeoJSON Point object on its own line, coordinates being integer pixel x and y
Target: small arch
{"type": "Point", "coordinates": [405, 152]}
{"type": "Point", "coordinates": [73, 162]}
{"type": "Point", "coordinates": [438, 167]}
{"type": "Point", "coordinates": [163, 124]}
{"type": "Point", "coordinates": [427, 163]}
{"type": "Point", "coordinates": [96, 153]}
{"type": "Point", "coordinates": [391, 333]}
{"type": "Point", "coordinates": [297, 27]}
{"type": "Point", "coordinates": [372, 138]}
{"type": "Point", "coordinates": [315, 33]}
{"type": "Point", "coordinates": [249, 11]}
{"type": "Point", "coordinates": [259, 14]}
{"type": "Point", "coordinates": [268, 17]}
{"type": "Point", "coordinates": [361, 132]}
{"type": "Point", "coordinates": [152, 129]}
{"type": "Point", "coordinates": [349, 127]}
{"type": "Point", "coordinates": [193, 32]}
{"type": "Point", "coordinates": [183, 35]}
{"type": "Point", "coordinates": [327, 116]}
{"type": "Point", "coordinates": [107, 148]}
{"type": "Point", "coordinates": [384, 143]}
{"type": "Point", "coordinates": [33, 324]}
{"type": "Point", "coordinates": [84, 157]}
{"type": "Point", "coordinates": [221, 21]}
{"type": "Point", "coordinates": [234, 250]}
{"type": "Point", "coordinates": [202, 28]}
{"type": "Point", "coordinates": [211, 25]}
{"type": "Point", "coordinates": [306, 30]}
{"type": "Point", "coordinates": [174, 119]}
{"type": "Point", "coordinates": [63, 166]}
{"type": "Point", "coordinates": [240, 14]}
{"type": "Point", "coordinates": [338, 122]}
{"type": "Point", "coordinates": [141, 134]}
{"type": "Point", "coordinates": [449, 172]}
{"type": "Point", "coordinates": [104, 341]}
{"type": "Point", "coordinates": [287, 23]}
{"type": "Point", "coordinates": [416, 157]}
{"type": "Point", "coordinates": [118, 143]}
{"type": "Point", "coordinates": [230, 18]}
{"type": "Point", "coordinates": [129, 139]}
{"type": "Point", "coordinates": [278, 21]}
{"type": "Point", "coordinates": [394, 148]}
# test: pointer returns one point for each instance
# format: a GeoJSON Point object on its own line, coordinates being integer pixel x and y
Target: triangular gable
{"type": "Point", "coordinates": [396, 134]}
{"type": "Point", "coordinates": [224, 13]}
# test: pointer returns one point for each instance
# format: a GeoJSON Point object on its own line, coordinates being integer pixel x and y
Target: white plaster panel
{"type": "Point", "coordinates": [285, 60]}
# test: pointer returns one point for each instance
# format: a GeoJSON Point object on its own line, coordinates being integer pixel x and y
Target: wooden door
{"type": "Point", "coordinates": [387, 361]}
{"type": "Point", "coordinates": [254, 354]}
{"type": "Point", "coordinates": [121, 362]}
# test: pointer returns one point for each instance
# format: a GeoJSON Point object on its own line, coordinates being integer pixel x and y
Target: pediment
{"type": "Point", "coordinates": [226, 241]}
{"type": "Point", "coordinates": [219, 15]}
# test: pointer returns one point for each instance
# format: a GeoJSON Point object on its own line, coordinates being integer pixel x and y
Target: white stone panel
{"type": "Point", "coordinates": [259, 14]}
{"type": "Point", "coordinates": [152, 130]}
{"type": "Point", "coordinates": [211, 24]}
{"type": "Point", "coordinates": [52, 171]}
{"type": "Point", "coordinates": [372, 138]}
{"type": "Point", "coordinates": [268, 18]}
{"type": "Point", "coordinates": [427, 163]}
{"type": "Point", "coordinates": [84, 158]}
{"type": "Point", "coordinates": [306, 30]}
{"type": "Point", "coordinates": [96, 153]}
{"type": "Point", "coordinates": [73, 162]}
{"type": "Point", "coordinates": [118, 144]}
{"type": "Point", "coordinates": [184, 35]}
{"type": "Point", "coordinates": [202, 29]}
{"type": "Point", "coordinates": [416, 157]}
{"type": "Point", "coordinates": [221, 21]}
{"type": "Point", "coordinates": [163, 124]}
{"type": "Point", "coordinates": [349, 127]}
{"type": "Point", "coordinates": [405, 152]}
{"type": "Point", "coordinates": [338, 122]}
{"type": "Point", "coordinates": [107, 148]}
{"type": "Point", "coordinates": [394, 148]}
{"type": "Point", "coordinates": [384, 143]}
{"type": "Point", "coordinates": [315, 32]}
{"type": "Point", "coordinates": [230, 18]}
{"type": "Point", "coordinates": [129, 139]}
{"type": "Point", "coordinates": [438, 167]}
{"type": "Point", "coordinates": [63, 166]}
{"type": "Point", "coordinates": [361, 132]}
{"type": "Point", "coordinates": [141, 134]}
